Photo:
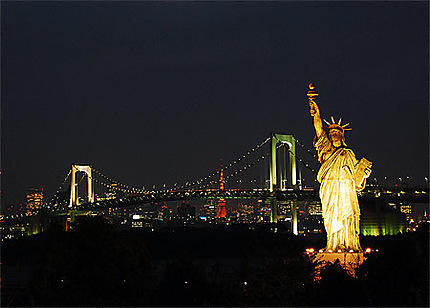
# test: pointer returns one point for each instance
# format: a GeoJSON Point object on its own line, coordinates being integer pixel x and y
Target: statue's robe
{"type": "Point", "coordinates": [338, 193]}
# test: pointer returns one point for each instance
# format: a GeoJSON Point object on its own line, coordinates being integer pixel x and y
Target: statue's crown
{"type": "Point", "coordinates": [338, 125]}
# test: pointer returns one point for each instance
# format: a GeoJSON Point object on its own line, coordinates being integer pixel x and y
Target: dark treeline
{"type": "Point", "coordinates": [93, 265]}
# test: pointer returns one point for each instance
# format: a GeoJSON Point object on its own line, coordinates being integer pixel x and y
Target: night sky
{"type": "Point", "coordinates": [154, 92]}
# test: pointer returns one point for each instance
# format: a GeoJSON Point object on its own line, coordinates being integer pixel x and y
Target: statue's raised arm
{"type": "Point", "coordinates": [314, 110]}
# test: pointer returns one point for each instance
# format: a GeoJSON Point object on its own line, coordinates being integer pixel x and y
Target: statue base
{"type": "Point", "coordinates": [348, 260]}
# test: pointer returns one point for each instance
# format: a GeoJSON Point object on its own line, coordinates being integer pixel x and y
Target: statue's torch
{"type": "Point", "coordinates": [312, 93]}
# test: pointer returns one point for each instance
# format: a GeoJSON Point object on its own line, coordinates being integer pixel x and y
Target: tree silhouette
{"type": "Point", "coordinates": [92, 266]}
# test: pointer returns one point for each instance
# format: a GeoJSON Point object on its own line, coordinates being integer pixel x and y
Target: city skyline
{"type": "Point", "coordinates": [158, 92]}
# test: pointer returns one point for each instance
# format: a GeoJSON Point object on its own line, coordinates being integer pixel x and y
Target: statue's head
{"type": "Point", "coordinates": [336, 132]}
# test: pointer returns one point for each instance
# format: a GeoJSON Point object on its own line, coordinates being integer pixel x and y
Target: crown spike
{"type": "Point", "coordinates": [332, 120]}
{"type": "Point", "coordinates": [328, 123]}
{"type": "Point", "coordinates": [345, 125]}
{"type": "Point", "coordinates": [340, 121]}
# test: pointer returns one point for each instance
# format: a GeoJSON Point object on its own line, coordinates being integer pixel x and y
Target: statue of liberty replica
{"type": "Point", "coordinates": [340, 176]}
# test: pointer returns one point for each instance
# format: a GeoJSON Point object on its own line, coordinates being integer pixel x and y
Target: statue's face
{"type": "Point", "coordinates": [335, 137]}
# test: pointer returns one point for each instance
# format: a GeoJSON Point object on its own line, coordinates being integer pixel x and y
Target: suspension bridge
{"type": "Point", "coordinates": [278, 154]}
{"type": "Point", "coordinates": [284, 184]}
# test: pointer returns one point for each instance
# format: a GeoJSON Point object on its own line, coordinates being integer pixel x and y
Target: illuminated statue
{"type": "Point", "coordinates": [341, 175]}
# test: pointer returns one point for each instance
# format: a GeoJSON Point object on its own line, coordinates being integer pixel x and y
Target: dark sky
{"type": "Point", "coordinates": [153, 92]}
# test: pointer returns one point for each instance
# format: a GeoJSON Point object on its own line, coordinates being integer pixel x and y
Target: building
{"type": "Point", "coordinates": [209, 209]}
{"type": "Point", "coordinates": [263, 211]}
{"type": "Point", "coordinates": [185, 211]}
{"type": "Point", "coordinates": [310, 217]}
{"type": "Point", "coordinates": [378, 218]}
{"type": "Point", "coordinates": [246, 212]}
{"type": "Point", "coordinates": [407, 209]}
{"type": "Point", "coordinates": [164, 212]}
{"type": "Point", "coordinates": [314, 208]}
{"type": "Point", "coordinates": [34, 199]}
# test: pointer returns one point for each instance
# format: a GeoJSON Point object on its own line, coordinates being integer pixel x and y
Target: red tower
{"type": "Point", "coordinates": [221, 201]}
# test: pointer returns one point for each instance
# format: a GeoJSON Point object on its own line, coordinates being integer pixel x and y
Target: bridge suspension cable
{"type": "Point", "coordinates": [110, 186]}
{"type": "Point", "coordinates": [306, 148]}
{"type": "Point", "coordinates": [200, 182]}
{"type": "Point", "coordinates": [60, 188]}
{"type": "Point", "coordinates": [124, 187]}
{"type": "Point", "coordinates": [242, 157]}
{"type": "Point", "coordinates": [247, 167]}
{"type": "Point", "coordinates": [241, 170]}
{"type": "Point", "coordinates": [302, 161]}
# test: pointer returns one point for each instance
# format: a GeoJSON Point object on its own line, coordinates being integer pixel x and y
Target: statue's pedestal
{"type": "Point", "coordinates": [348, 260]}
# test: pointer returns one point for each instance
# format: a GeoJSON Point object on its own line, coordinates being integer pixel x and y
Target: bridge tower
{"type": "Point", "coordinates": [291, 142]}
{"type": "Point", "coordinates": [221, 202]}
{"type": "Point", "coordinates": [74, 185]}
{"type": "Point", "coordinates": [295, 180]}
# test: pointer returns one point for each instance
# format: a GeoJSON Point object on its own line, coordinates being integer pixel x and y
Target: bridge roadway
{"type": "Point", "coordinates": [152, 197]}
{"type": "Point", "coordinates": [395, 195]}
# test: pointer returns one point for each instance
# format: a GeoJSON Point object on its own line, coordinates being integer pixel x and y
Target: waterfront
{"type": "Point", "coordinates": [229, 266]}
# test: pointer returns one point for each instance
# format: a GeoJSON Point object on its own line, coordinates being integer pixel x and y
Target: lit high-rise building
{"type": "Point", "coordinates": [407, 209]}
{"type": "Point", "coordinates": [34, 198]}
{"type": "Point", "coordinates": [314, 208]}
{"type": "Point", "coordinates": [246, 211]}
{"type": "Point", "coordinates": [209, 209]}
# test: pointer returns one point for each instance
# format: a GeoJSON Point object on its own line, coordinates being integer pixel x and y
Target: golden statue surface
{"type": "Point", "coordinates": [340, 176]}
